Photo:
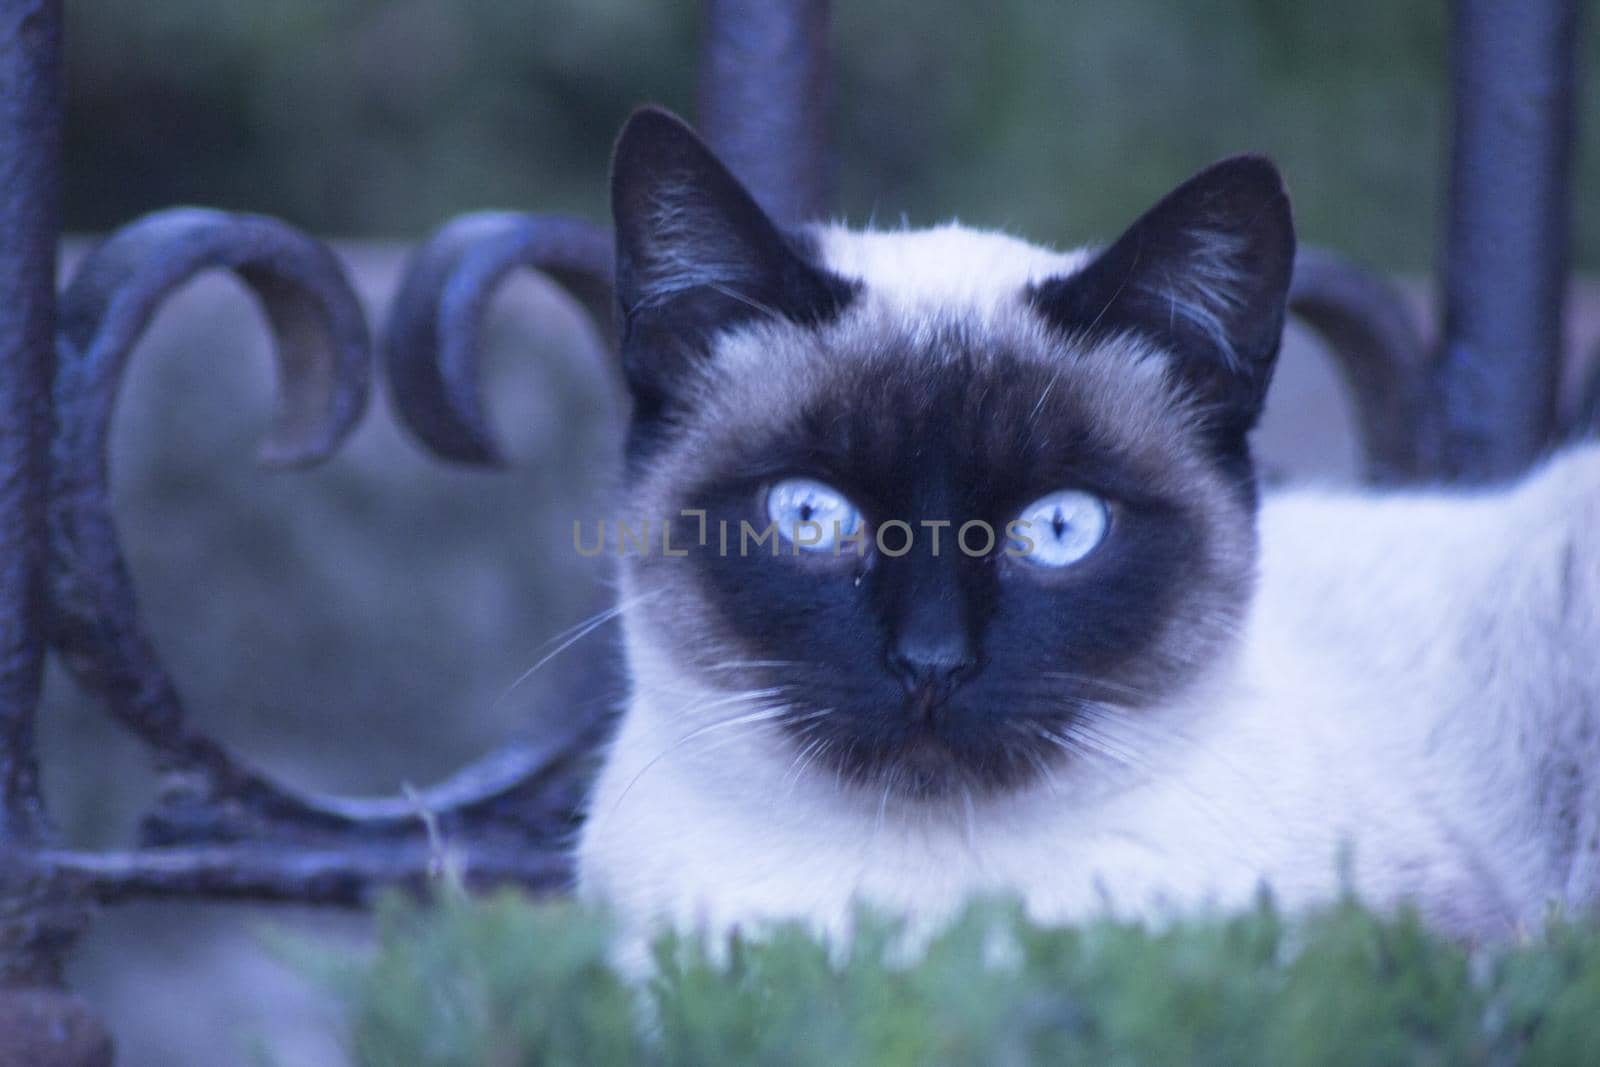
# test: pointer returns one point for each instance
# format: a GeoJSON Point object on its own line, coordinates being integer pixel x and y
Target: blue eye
{"type": "Point", "coordinates": [1062, 528]}
{"type": "Point", "coordinates": [811, 515]}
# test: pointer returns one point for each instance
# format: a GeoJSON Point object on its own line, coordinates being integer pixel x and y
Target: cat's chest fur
{"type": "Point", "coordinates": [1421, 736]}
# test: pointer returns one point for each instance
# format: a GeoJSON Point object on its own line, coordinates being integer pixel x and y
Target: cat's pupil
{"type": "Point", "coordinates": [1058, 523]}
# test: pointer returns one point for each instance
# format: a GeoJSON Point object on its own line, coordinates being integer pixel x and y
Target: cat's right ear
{"type": "Point", "coordinates": [696, 255]}
{"type": "Point", "coordinates": [1205, 274]}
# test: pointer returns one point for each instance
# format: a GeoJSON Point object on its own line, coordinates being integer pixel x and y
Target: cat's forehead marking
{"type": "Point", "coordinates": [1119, 399]}
{"type": "Point", "coordinates": [946, 267]}
{"type": "Point", "coordinates": [931, 301]}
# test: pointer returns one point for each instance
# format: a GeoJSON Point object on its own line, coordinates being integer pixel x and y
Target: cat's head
{"type": "Point", "coordinates": [1012, 488]}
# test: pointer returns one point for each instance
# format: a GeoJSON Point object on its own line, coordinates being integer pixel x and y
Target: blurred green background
{"type": "Point", "coordinates": [1057, 120]}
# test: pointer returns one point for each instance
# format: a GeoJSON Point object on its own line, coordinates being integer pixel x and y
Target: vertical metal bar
{"type": "Point", "coordinates": [30, 222]}
{"type": "Point", "coordinates": [40, 914]}
{"type": "Point", "coordinates": [765, 98]}
{"type": "Point", "coordinates": [1505, 263]}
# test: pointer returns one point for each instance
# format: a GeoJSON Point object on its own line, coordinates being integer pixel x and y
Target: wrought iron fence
{"type": "Point", "coordinates": [1479, 407]}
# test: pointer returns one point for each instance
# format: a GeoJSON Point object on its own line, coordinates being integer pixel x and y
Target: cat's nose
{"type": "Point", "coordinates": [931, 666]}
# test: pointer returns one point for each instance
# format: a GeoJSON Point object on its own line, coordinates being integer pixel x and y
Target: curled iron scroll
{"type": "Point", "coordinates": [1379, 353]}
{"type": "Point", "coordinates": [431, 341]}
{"type": "Point", "coordinates": [521, 795]}
{"type": "Point", "coordinates": [323, 361]}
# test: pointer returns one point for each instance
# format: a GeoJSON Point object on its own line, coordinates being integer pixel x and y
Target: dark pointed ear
{"type": "Point", "coordinates": [696, 255]}
{"type": "Point", "coordinates": [1205, 274]}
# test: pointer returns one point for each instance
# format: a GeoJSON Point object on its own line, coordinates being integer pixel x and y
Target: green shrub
{"type": "Point", "coordinates": [506, 981]}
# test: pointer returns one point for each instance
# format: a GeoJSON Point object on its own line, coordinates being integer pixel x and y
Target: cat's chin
{"type": "Point", "coordinates": [928, 767]}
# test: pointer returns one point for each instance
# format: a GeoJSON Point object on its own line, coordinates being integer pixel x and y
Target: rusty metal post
{"type": "Point", "coordinates": [40, 914]}
{"type": "Point", "coordinates": [30, 112]}
{"type": "Point", "coordinates": [1504, 271]}
{"type": "Point", "coordinates": [764, 101]}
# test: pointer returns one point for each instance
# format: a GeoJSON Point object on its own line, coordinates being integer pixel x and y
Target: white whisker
{"type": "Point", "coordinates": [1128, 691]}
{"type": "Point", "coordinates": [806, 757]}
{"type": "Point", "coordinates": [972, 818]}
{"type": "Point", "coordinates": [750, 664]}
{"type": "Point", "coordinates": [761, 714]}
{"type": "Point", "coordinates": [572, 636]}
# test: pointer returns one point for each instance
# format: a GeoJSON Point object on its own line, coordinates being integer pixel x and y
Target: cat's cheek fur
{"type": "Point", "coordinates": [1434, 724]}
{"type": "Point", "coordinates": [896, 392]}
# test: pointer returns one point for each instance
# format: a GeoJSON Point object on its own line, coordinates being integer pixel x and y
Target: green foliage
{"type": "Point", "coordinates": [505, 981]}
{"type": "Point", "coordinates": [1056, 120]}
{"type": "Point", "coordinates": [487, 983]}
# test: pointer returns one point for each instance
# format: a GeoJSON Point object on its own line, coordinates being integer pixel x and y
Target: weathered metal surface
{"type": "Point", "coordinates": [339, 873]}
{"type": "Point", "coordinates": [323, 369]}
{"type": "Point", "coordinates": [764, 101]}
{"type": "Point", "coordinates": [431, 341]}
{"type": "Point", "coordinates": [40, 914]}
{"type": "Point", "coordinates": [30, 220]}
{"type": "Point", "coordinates": [1505, 262]}
{"type": "Point", "coordinates": [211, 797]}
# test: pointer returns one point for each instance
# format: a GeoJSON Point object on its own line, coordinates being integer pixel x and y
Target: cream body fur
{"type": "Point", "coordinates": [1415, 690]}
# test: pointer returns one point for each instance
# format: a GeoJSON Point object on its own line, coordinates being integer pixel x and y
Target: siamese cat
{"type": "Point", "coordinates": [1024, 625]}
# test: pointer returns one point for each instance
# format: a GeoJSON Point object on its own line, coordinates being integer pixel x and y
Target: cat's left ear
{"type": "Point", "coordinates": [692, 243]}
{"type": "Point", "coordinates": [1205, 274]}
{"type": "Point", "coordinates": [696, 256]}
